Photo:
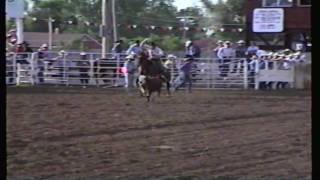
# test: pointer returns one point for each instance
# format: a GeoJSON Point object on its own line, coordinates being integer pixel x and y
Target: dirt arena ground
{"type": "Point", "coordinates": [73, 133]}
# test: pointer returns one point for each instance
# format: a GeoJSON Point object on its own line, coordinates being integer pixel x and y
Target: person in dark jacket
{"type": "Point", "coordinates": [241, 50]}
{"type": "Point", "coordinates": [84, 67]}
{"type": "Point", "coordinates": [192, 50]}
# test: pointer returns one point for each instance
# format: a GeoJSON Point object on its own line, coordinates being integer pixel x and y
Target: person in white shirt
{"type": "Point", "coordinates": [130, 69]}
{"type": "Point", "coordinates": [226, 54]}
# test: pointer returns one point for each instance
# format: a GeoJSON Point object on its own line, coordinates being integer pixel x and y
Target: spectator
{"type": "Point", "coordinates": [252, 49]}
{"type": "Point", "coordinates": [299, 56]}
{"type": "Point", "coordinates": [130, 69]}
{"type": "Point", "coordinates": [134, 49]}
{"type": "Point", "coordinates": [216, 50]}
{"type": "Point", "coordinates": [226, 54]}
{"type": "Point", "coordinates": [84, 66]}
{"type": "Point", "coordinates": [240, 53]}
{"type": "Point", "coordinates": [43, 52]}
{"type": "Point", "coordinates": [62, 64]}
{"type": "Point", "coordinates": [117, 49]}
{"type": "Point", "coordinates": [27, 47]}
{"type": "Point", "coordinates": [252, 70]}
{"type": "Point", "coordinates": [21, 55]}
{"type": "Point", "coordinates": [192, 50]}
{"type": "Point", "coordinates": [184, 75]}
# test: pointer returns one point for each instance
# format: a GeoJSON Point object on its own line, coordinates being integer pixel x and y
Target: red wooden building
{"type": "Point", "coordinates": [296, 24]}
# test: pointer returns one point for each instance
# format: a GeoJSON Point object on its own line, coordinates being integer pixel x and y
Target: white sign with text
{"type": "Point", "coordinates": [268, 20]}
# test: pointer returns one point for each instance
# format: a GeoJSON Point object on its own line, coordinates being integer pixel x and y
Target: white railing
{"type": "Point", "coordinates": [70, 70]}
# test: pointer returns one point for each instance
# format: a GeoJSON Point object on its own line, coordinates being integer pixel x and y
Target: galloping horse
{"type": "Point", "coordinates": [151, 68]}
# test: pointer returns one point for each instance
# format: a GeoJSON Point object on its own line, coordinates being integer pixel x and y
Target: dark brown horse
{"type": "Point", "coordinates": [153, 68]}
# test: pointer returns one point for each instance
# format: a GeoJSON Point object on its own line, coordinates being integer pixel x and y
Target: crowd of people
{"type": "Point", "coordinates": [224, 52]}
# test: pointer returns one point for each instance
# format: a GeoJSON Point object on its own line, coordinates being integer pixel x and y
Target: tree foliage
{"type": "Point", "coordinates": [142, 13]}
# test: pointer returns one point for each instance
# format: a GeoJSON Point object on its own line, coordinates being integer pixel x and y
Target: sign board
{"type": "Point", "coordinates": [268, 20]}
{"type": "Point", "coordinates": [15, 8]}
{"type": "Point", "coordinates": [275, 75]}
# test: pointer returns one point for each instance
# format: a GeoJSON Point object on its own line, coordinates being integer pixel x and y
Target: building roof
{"type": "Point", "coordinates": [36, 39]}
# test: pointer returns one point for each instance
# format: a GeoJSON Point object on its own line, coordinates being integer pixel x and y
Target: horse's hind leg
{"type": "Point", "coordinates": [168, 88]}
{"type": "Point", "coordinates": [148, 96]}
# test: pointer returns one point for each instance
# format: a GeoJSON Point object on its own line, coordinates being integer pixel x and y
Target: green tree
{"type": "Point", "coordinates": [229, 12]}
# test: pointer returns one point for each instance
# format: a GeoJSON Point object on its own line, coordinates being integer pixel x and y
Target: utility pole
{"type": "Point", "coordinates": [19, 25]}
{"type": "Point", "coordinates": [114, 22]}
{"type": "Point", "coordinates": [185, 20]}
{"type": "Point", "coordinates": [50, 33]}
{"type": "Point", "coordinates": [106, 26]}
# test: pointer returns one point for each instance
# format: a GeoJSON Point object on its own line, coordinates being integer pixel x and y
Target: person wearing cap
{"type": "Point", "coordinates": [129, 72]}
{"type": "Point", "coordinates": [184, 75]}
{"type": "Point", "coordinates": [226, 54]}
{"type": "Point", "coordinates": [216, 50]}
{"type": "Point", "coordinates": [43, 51]}
{"type": "Point", "coordinates": [84, 67]}
{"type": "Point", "coordinates": [241, 54]}
{"type": "Point", "coordinates": [192, 50]}
{"type": "Point", "coordinates": [117, 48]}
{"type": "Point", "coordinates": [253, 69]}
{"type": "Point", "coordinates": [62, 63]}
{"type": "Point", "coordinates": [168, 64]}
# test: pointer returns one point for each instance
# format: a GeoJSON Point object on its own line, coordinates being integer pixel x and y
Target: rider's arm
{"type": "Point", "coordinates": [144, 41]}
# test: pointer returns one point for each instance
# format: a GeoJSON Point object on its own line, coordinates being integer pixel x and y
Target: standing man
{"type": "Point", "coordinates": [226, 54]}
{"type": "Point", "coordinates": [134, 49]}
{"type": "Point", "coordinates": [117, 49]}
{"type": "Point", "coordinates": [192, 50]}
{"type": "Point", "coordinates": [130, 69]}
{"type": "Point", "coordinates": [252, 49]}
{"type": "Point", "coordinates": [184, 75]}
{"type": "Point", "coordinates": [241, 54]}
{"type": "Point", "coordinates": [84, 66]}
{"type": "Point", "coordinates": [216, 50]}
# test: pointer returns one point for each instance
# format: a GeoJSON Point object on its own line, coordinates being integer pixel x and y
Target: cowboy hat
{"type": "Point", "coordinates": [62, 52]}
{"type": "Point", "coordinates": [188, 43]}
{"type": "Point", "coordinates": [241, 42]}
{"type": "Point", "coordinates": [44, 46]}
{"type": "Point", "coordinates": [171, 56]}
{"type": "Point", "coordinates": [220, 42]}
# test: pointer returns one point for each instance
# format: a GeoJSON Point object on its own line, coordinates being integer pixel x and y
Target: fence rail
{"type": "Point", "coordinates": [70, 70]}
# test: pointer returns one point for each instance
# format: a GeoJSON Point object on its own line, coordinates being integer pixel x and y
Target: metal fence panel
{"type": "Point", "coordinates": [69, 69]}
